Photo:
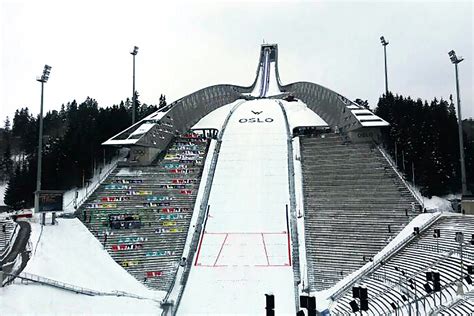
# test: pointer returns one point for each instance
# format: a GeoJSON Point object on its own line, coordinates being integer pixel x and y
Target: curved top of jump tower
{"type": "Point", "coordinates": [159, 128]}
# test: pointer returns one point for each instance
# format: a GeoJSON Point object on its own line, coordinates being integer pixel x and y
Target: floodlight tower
{"type": "Point", "coordinates": [385, 43]}
{"type": "Point", "coordinates": [43, 79]}
{"type": "Point", "coordinates": [134, 52]}
{"type": "Point", "coordinates": [456, 60]}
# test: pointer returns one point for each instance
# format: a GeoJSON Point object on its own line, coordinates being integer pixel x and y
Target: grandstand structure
{"type": "Point", "coordinates": [141, 214]}
{"type": "Point", "coordinates": [353, 183]}
{"type": "Point", "coordinates": [234, 192]}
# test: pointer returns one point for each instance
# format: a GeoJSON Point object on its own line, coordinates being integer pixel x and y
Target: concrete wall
{"type": "Point", "coordinates": [143, 155]}
{"type": "Point", "coordinates": [467, 206]}
{"type": "Point", "coordinates": [366, 135]}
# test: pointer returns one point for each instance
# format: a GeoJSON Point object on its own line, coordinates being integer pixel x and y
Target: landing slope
{"type": "Point", "coordinates": [244, 252]}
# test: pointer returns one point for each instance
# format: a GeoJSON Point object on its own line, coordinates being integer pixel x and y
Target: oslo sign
{"type": "Point", "coordinates": [50, 201]}
{"type": "Point", "coordinates": [256, 120]}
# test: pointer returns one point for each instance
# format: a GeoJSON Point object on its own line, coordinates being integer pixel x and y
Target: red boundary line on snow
{"type": "Point", "coordinates": [199, 249]}
{"type": "Point", "coordinates": [244, 265]}
{"type": "Point", "coordinates": [248, 233]}
{"type": "Point", "coordinates": [220, 250]}
{"type": "Point", "coordinates": [289, 250]}
{"type": "Point", "coordinates": [265, 248]}
{"type": "Point", "coordinates": [288, 234]}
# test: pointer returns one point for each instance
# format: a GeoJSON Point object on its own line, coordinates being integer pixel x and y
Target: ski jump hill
{"type": "Point", "coordinates": [275, 198]}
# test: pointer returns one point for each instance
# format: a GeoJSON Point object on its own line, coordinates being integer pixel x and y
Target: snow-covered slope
{"type": "Point", "coordinates": [68, 252]}
{"type": "Point", "coordinates": [244, 251]}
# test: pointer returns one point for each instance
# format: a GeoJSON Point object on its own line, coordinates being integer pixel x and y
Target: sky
{"type": "Point", "coordinates": [185, 46]}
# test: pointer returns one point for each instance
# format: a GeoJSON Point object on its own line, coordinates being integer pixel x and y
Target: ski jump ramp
{"type": "Point", "coordinates": [244, 251]}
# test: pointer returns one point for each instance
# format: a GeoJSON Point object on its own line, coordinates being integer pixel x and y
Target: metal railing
{"type": "Point", "coordinates": [89, 192]}
{"type": "Point", "coordinates": [202, 213]}
{"type": "Point", "coordinates": [377, 263]}
{"type": "Point", "coordinates": [73, 288]}
{"type": "Point", "coordinates": [9, 242]}
{"type": "Point", "coordinates": [293, 217]}
{"type": "Point", "coordinates": [389, 159]}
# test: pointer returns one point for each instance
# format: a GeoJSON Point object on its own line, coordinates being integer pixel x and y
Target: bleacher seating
{"type": "Point", "coordinates": [142, 213]}
{"type": "Point", "coordinates": [404, 273]}
{"type": "Point", "coordinates": [7, 226]}
{"type": "Point", "coordinates": [463, 306]}
{"type": "Point", "coordinates": [354, 204]}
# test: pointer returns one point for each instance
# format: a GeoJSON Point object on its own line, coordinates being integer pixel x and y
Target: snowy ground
{"type": "Point", "coordinates": [244, 251]}
{"type": "Point", "coordinates": [439, 204]}
{"type": "Point", "coordinates": [216, 118]}
{"type": "Point", "coordinates": [3, 188]}
{"type": "Point", "coordinates": [68, 252]}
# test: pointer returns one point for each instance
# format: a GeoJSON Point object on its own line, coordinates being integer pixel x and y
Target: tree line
{"type": "Point", "coordinates": [72, 147]}
{"type": "Point", "coordinates": [423, 140]}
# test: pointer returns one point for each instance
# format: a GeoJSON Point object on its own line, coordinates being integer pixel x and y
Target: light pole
{"type": "Point", "coordinates": [456, 60]}
{"type": "Point", "coordinates": [134, 53]}
{"type": "Point", "coordinates": [385, 43]}
{"type": "Point", "coordinates": [43, 79]}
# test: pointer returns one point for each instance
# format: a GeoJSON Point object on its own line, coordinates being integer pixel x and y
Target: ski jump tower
{"type": "Point", "coordinates": [150, 136]}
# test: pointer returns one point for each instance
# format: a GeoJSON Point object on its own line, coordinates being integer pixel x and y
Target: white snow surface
{"type": "Point", "coordinates": [244, 250]}
{"type": "Point", "coordinates": [3, 188]}
{"type": "Point", "coordinates": [69, 253]}
{"type": "Point", "coordinates": [145, 127]}
{"type": "Point", "coordinates": [273, 87]}
{"type": "Point", "coordinates": [300, 115]}
{"type": "Point", "coordinates": [439, 204]}
{"type": "Point", "coordinates": [216, 118]}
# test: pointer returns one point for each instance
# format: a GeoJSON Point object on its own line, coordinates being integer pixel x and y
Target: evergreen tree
{"type": "Point", "coordinates": [72, 145]}
{"type": "Point", "coordinates": [425, 136]}
{"type": "Point", "coordinates": [6, 162]}
{"type": "Point", "coordinates": [162, 102]}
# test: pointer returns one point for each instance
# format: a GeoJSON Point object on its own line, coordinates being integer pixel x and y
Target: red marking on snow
{"type": "Point", "coordinates": [289, 249]}
{"type": "Point", "coordinates": [199, 249]}
{"type": "Point", "coordinates": [248, 233]}
{"type": "Point", "coordinates": [265, 248]}
{"type": "Point", "coordinates": [220, 250]}
{"type": "Point", "coordinates": [262, 234]}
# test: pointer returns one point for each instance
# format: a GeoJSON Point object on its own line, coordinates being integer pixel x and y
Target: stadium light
{"type": "Point", "coordinates": [134, 53]}
{"type": "Point", "coordinates": [456, 60]}
{"type": "Point", "coordinates": [385, 43]}
{"type": "Point", "coordinates": [43, 79]}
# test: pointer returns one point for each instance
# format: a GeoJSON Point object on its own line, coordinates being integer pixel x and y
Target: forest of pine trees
{"type": "Point", "coordinates": [424, 136]}
{"type": "Point", "coordinates": [421, 135]}
{"type": "Point", "coordinates": [72, 146]}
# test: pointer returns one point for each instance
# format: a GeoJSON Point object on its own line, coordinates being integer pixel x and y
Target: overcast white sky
{"type": "Point", "coordinates": [187, 46]}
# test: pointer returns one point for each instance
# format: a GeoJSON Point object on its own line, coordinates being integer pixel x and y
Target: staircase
{"type": "Point", "coordinates": [354, 204]}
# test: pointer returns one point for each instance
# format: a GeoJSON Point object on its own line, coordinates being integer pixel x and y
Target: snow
{"type": "Point", "coordinates": [298, 176]}
{"type": "Point", "coordinates": [273, 84]}
{"type": "Point", "coordinates": [3, 189]}
{"type": "Point", "coordinates": [436, 203]}
{"type": "Point", "coordinates": [244, 251]}
{"type": "Point", "coordinates": [299, 115]}
{"type": "Point", "coordinates": [216, 118]}
{"type": "Point", "coordinates": [145, 127]}
{"type": "Point", "coordinates": [69, 253]}
{"type": "Point", "coordinates": [258, 83]}
{"type": "Point", "coordinates": [34, 299]}
{"type": "Point", "coordinates": [192, 225]}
